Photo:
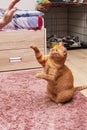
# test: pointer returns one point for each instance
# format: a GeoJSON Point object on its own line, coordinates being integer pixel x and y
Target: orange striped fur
{"type": "Point", "coordinates": [60, 87]}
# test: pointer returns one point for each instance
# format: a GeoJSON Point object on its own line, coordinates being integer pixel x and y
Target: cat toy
{"type": "Point", "coordinates": [43, 5]}
{"type": "Point", "coordinates": [42, 2]}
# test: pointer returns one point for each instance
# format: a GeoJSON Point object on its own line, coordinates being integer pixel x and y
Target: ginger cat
{"type": "Point", "coordinates": [60, 87]}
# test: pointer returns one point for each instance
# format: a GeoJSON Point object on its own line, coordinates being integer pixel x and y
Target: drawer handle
{"type": "Point", "coordinates": [15, 59]}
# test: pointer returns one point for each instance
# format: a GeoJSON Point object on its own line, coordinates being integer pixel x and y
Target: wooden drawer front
{"type": "Point", "coordinates": [18, 59]}
{"type": "Point", "coordinates": [21, 39]}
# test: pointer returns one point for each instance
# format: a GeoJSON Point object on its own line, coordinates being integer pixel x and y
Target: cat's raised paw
{"type": "Point", "coordinates": [32, 46]}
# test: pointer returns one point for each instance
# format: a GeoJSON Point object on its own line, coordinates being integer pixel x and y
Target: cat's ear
{"type": "Point", "coordinates": [61, 43]}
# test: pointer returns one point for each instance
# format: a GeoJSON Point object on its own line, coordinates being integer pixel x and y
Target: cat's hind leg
{"type": "Point", "coordinates": [64, 96]}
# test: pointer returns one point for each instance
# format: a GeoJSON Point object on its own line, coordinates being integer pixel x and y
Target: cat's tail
{"type": "Point", "coordinates": [80, 88]}
{"type": "Point", "coordinates": [38, 54]}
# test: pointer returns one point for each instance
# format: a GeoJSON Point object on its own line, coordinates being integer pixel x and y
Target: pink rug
{"type": "Point", "coordinates": [22, 107]}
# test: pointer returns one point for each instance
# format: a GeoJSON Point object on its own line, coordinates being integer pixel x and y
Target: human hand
{"type": "Point", "coordinates": [8, 14]}
{"type": "Point", "coordinates": [12, 4]}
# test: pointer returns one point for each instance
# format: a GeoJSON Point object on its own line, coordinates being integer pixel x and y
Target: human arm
{"type": "Point", "coordinates": [8, 14]}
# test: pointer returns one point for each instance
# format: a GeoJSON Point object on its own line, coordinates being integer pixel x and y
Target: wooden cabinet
{"type": "Point", "coordinates": [15, 51]}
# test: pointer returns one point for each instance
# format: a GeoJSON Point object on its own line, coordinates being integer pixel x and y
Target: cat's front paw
{"type": "Point", "coordinates": [33, 46]}
{"type": "Point", "coordinates": [39, 76]}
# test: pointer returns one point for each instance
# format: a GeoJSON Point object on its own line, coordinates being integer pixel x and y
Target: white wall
{"type": "Point", "coordinates": [23, 4]}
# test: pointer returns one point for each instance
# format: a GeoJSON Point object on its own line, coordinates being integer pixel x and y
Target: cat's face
{"type": "Point", "coordinates": [58, 51]}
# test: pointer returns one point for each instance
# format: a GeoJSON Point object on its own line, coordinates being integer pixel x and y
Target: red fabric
{"type": "Point", "coordinates": [40, 22]}
{"type": "Point", "coordinates": [23, 23]}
